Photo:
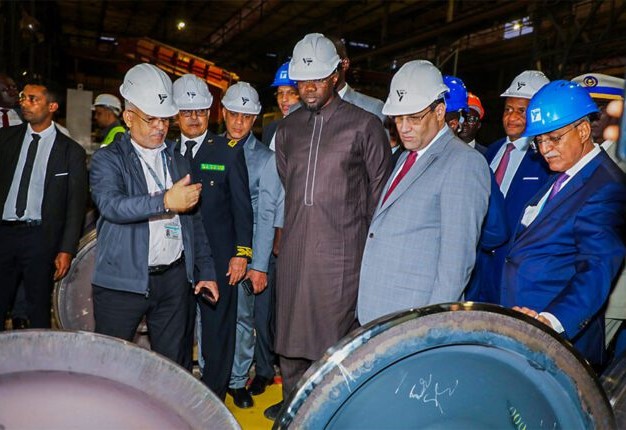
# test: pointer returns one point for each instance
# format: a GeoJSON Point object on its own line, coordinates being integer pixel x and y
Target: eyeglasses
{"type": "Point", "coordinates": [472, 120]}
{"type": "Point", "coordinates": [286, 93]}
{"type": "Point", "coordinates": [198, 112]}
{"type": "Point", "coordinates": [153, 121]}
{"type": "Point", "coordinates": [8, 88]}
{"type": "Point", "coordinates": [554, 140]}
{"type": "Point", "coordinates": [32, 99]}
{"type": "Point", "coordinates": [413, 120]}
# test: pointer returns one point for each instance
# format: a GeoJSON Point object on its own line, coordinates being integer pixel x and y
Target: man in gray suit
{"type": "Point", "coordinates": [421, 244]}
{"type": "Point", "coordinates": [346, 92]}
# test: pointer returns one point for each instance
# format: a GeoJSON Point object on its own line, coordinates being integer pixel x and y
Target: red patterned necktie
{"type": "Point", "coordinates": [504, 162]}
{"type": "Point", "coordinates": [5, 117]}
{"type": "Point", "coordinates": [410, 160]}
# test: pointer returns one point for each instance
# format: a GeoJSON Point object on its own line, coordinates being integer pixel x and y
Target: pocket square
{"type": "Point", "coordinates": [530, 178]}
{"type": "Point", "coordinates": [62, 174]}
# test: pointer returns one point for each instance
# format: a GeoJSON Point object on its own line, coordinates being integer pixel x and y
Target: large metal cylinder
{"type": "Point", "coordinates": [72, 297]}
{"type": "Point", "coordinates": [614, 383]}
{"type": "Point", "coordinates": [79, 380]}
{"type": "Point", "coordinates": [460, 365]}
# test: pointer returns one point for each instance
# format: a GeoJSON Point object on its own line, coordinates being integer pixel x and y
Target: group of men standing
{"type": "Point", "coordinates": [196, 225]}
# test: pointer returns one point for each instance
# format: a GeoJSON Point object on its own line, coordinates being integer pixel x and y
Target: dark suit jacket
{"type": "Point", "coordinates": [268, 132]}
{"type": "Point", "coordinates": [225, 200]}
{"type": "Point", "coordinates": [531, 175]}
{"type": "Point", "coordinates": [564, 261]}
{"type": "Point", "coordinates": [65, 187]}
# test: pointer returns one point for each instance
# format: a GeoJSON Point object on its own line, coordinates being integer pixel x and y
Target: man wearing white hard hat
{"type": "Point", "coordinates": [422, 242]}
{"type": "Point", "coordinates": [227, 217]}
{"type": "Point", "coordinates": [152, 254]}
{"type": "Point", "coordinates": [602, 89]}
{"type": "Point", "coordinates": [241, 107]}
{"type": "Point", "coordinates": [519, 171]}
{"type": "Point", "coordinates": [332, 158]}
{"type": "Point", "coordinates": [107, 109]}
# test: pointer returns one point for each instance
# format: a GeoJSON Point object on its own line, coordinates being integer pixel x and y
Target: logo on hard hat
{"type": "Point", "coordinates": [307, 61]}
{"type": "Point", "coordinates": [535, 115]}
{"type": "Point", "coordinates": [401, 94]}
{"type": "Point", "coordinates": [162, 98]}
{"type": "Point", "coordinates": [191, 95]}
{"type": "Point", "coordinates": [283, 74]}
{"type": "Point", "coordinates": [590, 81]}
{"type": "Point", "coordinates": [520, 85]}
{"type": "Point", "coordinates": [244, 100]}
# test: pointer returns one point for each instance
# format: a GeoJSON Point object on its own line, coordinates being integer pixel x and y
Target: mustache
{"type": "Point", "coordinates": [552, 153]}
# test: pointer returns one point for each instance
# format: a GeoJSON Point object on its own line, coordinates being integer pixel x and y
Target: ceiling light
{"type": "Point", "coordinates": [181, 25]}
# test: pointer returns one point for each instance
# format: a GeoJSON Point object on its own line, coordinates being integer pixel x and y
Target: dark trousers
{"type": "Point", "coordinates": [264, 320]}
{"type": "Point", "coordinates": [118, 313]}
{"type": "Point", "coordinates": [291, 370]}
{"type": "Point", "coordinates": [24, 255]}
{"type": "Point", "coordinates": [219, 324]}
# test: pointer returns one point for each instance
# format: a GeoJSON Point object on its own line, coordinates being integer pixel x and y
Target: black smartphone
{"type": "Point", "coordinates": [208, 296]}
{"type": "Point", "coordinates": [246, 284]}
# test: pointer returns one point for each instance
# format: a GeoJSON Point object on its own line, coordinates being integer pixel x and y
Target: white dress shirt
{"type": "Point", "coordinates": [166, 237]}
{"type": "Point", "coordinates": [38, 175]}
{"type": "Point", "coordinates": [521, 146]}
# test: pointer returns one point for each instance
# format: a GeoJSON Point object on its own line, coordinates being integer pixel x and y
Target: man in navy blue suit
{"type": "Point", "coordinates": [568, 245]}
{"type": "Point", "coordinates": [518, 171]}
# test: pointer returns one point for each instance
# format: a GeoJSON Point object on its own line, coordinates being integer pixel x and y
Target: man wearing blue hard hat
{"type": "Point", "coordinates": [456, 103]}
{"type": "Point", "coordinates": [567, 247]}
{"type": "Point", "coordinates": [287, 98]}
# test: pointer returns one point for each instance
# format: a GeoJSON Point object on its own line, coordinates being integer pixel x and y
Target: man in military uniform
{"type": "Point", "coordinates": [241, 107]}
{"type": "Point", "coordinates": [227, 215]}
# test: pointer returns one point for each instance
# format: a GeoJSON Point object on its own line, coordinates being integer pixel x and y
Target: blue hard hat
{"type": "Point", "coordinates": [282, 77]}
{"type": "Point", "coordinates": [456, 98]}
{"type": "Point", "coordinates": [556, 105]}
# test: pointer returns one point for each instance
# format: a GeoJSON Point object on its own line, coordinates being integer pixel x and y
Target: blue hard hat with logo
{"type": "Point", "coordinates": [556, 105]}
{"type": "Point", "coordinates": [282, 77]}
{"type": "Point", "coordinates": [456, 98]}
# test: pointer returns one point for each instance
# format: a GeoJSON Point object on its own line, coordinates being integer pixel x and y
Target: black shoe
{"type": "Point", "coordinates": [19, 323]}
{"type": "Point", "coordinates": [241, 397]}
{"type": "Point", "coordinates": [272, 412]}
{"type": "Point", "coordinates": [258, 385]}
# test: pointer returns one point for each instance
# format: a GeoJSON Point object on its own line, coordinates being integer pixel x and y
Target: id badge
{"type": "Point", "coordinates": [172, 231]}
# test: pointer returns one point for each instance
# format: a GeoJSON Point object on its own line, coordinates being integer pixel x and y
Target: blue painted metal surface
{"type": "Point", "coordinates": [450, 366]}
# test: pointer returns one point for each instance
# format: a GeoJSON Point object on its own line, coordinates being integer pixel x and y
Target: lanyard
{"type": "Point", "coordinates": [153, 173]}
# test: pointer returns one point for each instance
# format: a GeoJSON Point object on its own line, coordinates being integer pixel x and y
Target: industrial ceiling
{"type": "Point", "coordinates": [486, 42]}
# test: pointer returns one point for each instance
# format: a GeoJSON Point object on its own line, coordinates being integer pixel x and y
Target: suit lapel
{"type": "Point", "coordinates": [421, 164]}
{"type": "Point", "coordinates": [56, 159]}
{"type": "Point", "coordinates": [570, 189]}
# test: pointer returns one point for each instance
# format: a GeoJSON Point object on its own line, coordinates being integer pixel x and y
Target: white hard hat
{"type": "Point", "coordinates": [416, 85]}
{"type": "Point", "coordinates": [108, 101]}
{"type": "Point", "coordinates": [242, 98]}
{"type": "Point", "coordinates": [150, 89]}
{"type": "Point", "coordinates": [526, 84]}
{"type": "Point", "coordinates": [191, 92]}
{"type": "Point", "coordinates": [314, 57]}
